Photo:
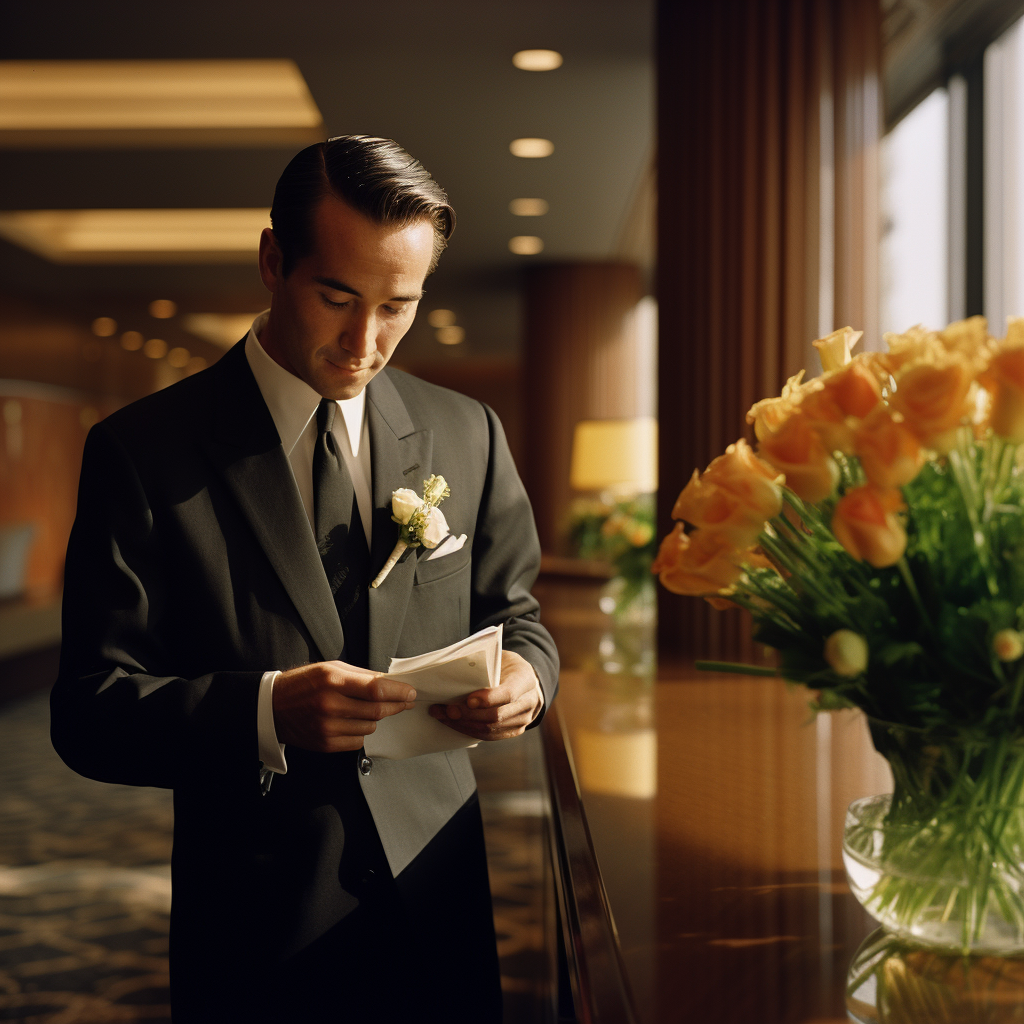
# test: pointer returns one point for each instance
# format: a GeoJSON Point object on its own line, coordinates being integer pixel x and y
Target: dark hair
{"type": "Point", "coordinates": [374, 176]}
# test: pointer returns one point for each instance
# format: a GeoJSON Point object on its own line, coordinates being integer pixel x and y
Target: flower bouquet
{"type": "Point", "coordinates": [876, 537]}
{"type": "Point", "coordinates": [620, 533]}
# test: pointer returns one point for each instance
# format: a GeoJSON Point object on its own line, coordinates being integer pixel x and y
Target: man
{"type": "Point", "coordinates": [220, 635]}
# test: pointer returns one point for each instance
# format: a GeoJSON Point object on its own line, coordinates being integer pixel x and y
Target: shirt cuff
{"type": "Point", "coordinates": [271, 752]}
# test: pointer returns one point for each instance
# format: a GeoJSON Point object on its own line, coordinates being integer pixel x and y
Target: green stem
{"type": "Point", "coordinates": [735, 668]}
{"type": "Point", "coordinates": [969, 493]}
{"type": "Point", "coordinates": [908, 579]}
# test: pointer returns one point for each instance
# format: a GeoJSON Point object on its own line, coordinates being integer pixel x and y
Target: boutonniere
{"type": "Point", "coordinates": [420, 521]}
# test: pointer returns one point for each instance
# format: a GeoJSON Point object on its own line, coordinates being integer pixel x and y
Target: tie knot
{"type": "Point", "coordinates": [325, 415]}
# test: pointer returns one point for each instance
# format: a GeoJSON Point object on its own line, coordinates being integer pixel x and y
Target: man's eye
{"type": "Point", "coordinates": [335, 305]}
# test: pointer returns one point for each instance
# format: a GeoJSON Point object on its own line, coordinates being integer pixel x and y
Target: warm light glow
{"type": "Point", "coordinates": [155, 348]}
{"type": "Point", "coordinates": [131, 341]}
{"type": "Point", "coordinates": [92, 351]}
{"type": "Point", "coordinates": [451, 335]}
{"type": "Point", "coordinates": [618, 763]}
{"type": "Point", "coordinates": [531, 148]}
{"type": "Point", "coordinates": [138, 236]}
{"type": "Point", "coordinates": [526, 245]}
{"type": "Point", "coordinates": [195, 364]}
{"type": "Point", "coordinates": [88, 417]}
{"type": "Point", "coordinates": [104, 326]}
{"type": "Point", "coordinates": [223, 329]}
{"type": "Point", "coordinates": [162, 309]}
{"type": "Point", "coordinates": [155, 103]}
{"type": "Point", "coordinates": [441, 318]}
{"type": "Point", "coordinates": [616, 455]}
{"type": "Point", "coordinates": [537, 60]}
{"type": "Point", "coordinates": [528, 207]}
{"type": "Point", "coordinates": [179, 357]}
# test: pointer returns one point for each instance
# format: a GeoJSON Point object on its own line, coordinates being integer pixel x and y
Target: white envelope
{"type": "Point", "coordinates": [448, 546]}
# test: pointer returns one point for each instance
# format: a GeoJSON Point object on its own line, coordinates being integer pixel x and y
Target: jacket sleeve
{"type": "Point", "coordinates": [506, 560]}
{"type": "Point", "coordinates": [119, 713]}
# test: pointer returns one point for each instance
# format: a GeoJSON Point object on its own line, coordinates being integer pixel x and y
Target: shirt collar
{"type": "Point", "coordinates": [291, 401]}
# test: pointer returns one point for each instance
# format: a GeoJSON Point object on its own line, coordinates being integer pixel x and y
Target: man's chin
{"type": "Point", "coordinates": [341, 384]}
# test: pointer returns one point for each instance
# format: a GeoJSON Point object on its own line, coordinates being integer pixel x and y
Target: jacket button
{"type": "Point", "coordinates": [365, 764]}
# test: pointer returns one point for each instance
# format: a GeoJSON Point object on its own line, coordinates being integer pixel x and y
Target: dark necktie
{"type": "Point", "coordinates": [340, 538]}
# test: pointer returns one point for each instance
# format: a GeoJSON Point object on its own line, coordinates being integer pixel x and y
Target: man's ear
{"type": "Point", "coordinates": [271, 261]}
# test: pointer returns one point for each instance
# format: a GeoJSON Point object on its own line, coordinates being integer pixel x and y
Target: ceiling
{"type": "Point", "coordinates": [435, 76]}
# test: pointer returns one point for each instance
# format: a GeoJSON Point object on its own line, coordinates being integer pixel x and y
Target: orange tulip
{"type": "Point", "coordinates": [737, 494]}
{"type": "Point", "coordinates": [1004, 380]}
{"type": "Point", "coordinates": [864, 522]}
{"type": "Point", "coordinates": [834, 349]}
{"type": "Point", "coordinates": [934, 400]}
{"type": "Point", "coordinates": [850, 393]}
{"type": "Point", "coordinates": [798, 451]}
{"type": "Point", "coordinates": [703, 562]}
{"type": "Point", "coordinates": [889, 451]}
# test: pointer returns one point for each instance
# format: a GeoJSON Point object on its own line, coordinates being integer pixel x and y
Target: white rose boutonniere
{"type": "Point", "coordinates": [419, 519]}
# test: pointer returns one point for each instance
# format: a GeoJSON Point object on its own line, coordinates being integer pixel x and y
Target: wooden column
{"type": "Point", "coordinates": [768, 129]}
{"type": "Point", "coordinates": [580, 361]}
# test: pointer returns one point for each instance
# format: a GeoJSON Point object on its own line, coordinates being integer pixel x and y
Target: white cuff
{"type": "Point", "coordinates": [271, 752]}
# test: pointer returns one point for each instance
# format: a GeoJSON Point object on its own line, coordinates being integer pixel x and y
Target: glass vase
{"type": "Point", "coordinates": [940, 861]}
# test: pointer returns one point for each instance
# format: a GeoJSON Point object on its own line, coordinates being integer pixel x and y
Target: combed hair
{"type": "Point", "coordinates": [374, 176]}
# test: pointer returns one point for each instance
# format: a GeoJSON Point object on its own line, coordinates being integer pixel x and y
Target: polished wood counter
{"type": "Point", "coordinates": [715, 808]}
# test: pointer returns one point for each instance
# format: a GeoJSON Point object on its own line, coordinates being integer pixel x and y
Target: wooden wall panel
{"type": "Point", "coordinates": [768, 130]}
{"type": "Point", "coordinates": [580, 361]}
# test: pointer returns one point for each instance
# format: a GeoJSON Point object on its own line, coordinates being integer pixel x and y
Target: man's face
{"type": "Point", "coordinates": [338, 316]}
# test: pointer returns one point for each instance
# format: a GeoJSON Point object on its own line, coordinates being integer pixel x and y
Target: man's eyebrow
{"type": "Point", "coordinates": [340, 286]}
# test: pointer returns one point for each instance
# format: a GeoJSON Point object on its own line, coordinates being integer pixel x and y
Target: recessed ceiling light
{"type": "Point", "coordinates": [531, 148]}
{"type": "Point", "coordinates": [179, 357]}
{"type": "Point", "coordinates": [162, 309]}
{"type": "Point", "coordinates": [222, 329]}
{"type": "Point", "coordinates": [526, 245]}
{"type": "Point", "coordinates": [441, 318]}
{"type": "Point", "coordinates": [138, 236]}
{"type": "Point", "coordinates": [155, 103]}
{"type": "Point", "coordinates": [537, 60]}
{"type": "Point", "coordinates": [528, 207]}
{"type": "Point", "coordinates": [450, 335]}
{"type": "Point", "coordinates": [155, 348]}
{"type": "Point", "coordinates": [104, 326]}
{"type": "Point", "coordinates": [131, 341]}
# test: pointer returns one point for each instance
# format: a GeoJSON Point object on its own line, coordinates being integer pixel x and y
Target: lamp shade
{"type": "Point", "coordinates": [616, 455]}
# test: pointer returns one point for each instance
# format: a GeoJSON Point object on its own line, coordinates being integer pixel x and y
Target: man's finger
{"type": "Point", "coordinates": [368, 710]}
{"type": "Point", "coordinates": [375, 688]}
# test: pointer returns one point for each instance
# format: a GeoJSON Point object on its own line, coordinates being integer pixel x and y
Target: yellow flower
{"type": "Point", "coordinates": [703, 562]}
{"type": "Point", "coordinates": [737, 494]}
{"type": "Point", "coordinates": [834, 349]}
{"type": "Point", "coordinates": [889, 451]}
{"type": "Point", "coordinates": [835, 401]}
{"type": "Point", "coordinates": [768, 415]}
{"type": "Point", "coordinates": [798, 452]}
{"type": "Point", "coordinates": [1008, 645]}
{"type": "Point", "coordinates": [1004, 381]}
{"type": "Point", "coordinates": [934, 398]}
{"type": "Point", "coordinates": [865, 523]}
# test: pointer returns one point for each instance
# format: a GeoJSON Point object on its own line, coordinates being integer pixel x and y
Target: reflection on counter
{"type": "Point", "coordinates": [891, 982]}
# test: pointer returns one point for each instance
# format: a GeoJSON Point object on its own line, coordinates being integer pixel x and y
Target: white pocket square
{"type": "Point", "coordinates": [450, 544]}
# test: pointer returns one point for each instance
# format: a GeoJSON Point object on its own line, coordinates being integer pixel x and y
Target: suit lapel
{"type": "Point", "coordinates": [245, 447]}
{"type": "Point", "coordinates": [401, 458]}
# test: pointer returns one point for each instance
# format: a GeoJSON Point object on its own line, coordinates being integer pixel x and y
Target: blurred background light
{"type": "Point", "coordinates": [162, 309]}
{"type": "Point", "coordinates": [537, 60]}
{"type": "Point", "coordinates": [526, 245]}
{"type": "Point", "coordinates": [104, 326]}
{"type": "Point", "coordinates": [155, 348]}
{"type": "Point", "coordinates": [441, 318]}
{"type": "Point", "coordinates": [451, 335]}
{"type": "Point", "coordinates": [531, 148]}
{"type": "Point", "coordinates": [222, 329]}
{"type": "Point", "coordinates": [528, 207]}
{"type": "Point", "coordinates": [131, 341]}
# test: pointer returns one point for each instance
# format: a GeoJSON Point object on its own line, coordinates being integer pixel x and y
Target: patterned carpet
{"type": "Point", "coordinates": [85, 882]}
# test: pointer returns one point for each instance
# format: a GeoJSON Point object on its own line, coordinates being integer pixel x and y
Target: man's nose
{"type": "Point", "coordinates": [360, 336]}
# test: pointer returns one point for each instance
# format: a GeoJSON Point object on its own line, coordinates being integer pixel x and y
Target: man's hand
{"type": "Point", "coordinates": [500, 712]}
{"type": "Point", "coordinates": [330, 706]}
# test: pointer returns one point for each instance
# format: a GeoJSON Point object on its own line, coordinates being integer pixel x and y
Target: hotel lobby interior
{"type": "Point", "coordinates": [661, 205]}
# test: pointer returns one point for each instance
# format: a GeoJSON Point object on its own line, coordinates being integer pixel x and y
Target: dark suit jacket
{"type": "Point", "coordinates": [192, 570]}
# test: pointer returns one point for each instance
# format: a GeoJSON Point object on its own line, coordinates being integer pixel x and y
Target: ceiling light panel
{"type": "Point", "coordinates": [155, 103]}
{"type": "Point", "coordinates": [138, 236]}
{"type": "Point", "coordinates": [537, 60]}
{"type": "Point", "coordinates": [528, 207]}
{"type": "Point", "coordinates": [531, 148]}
